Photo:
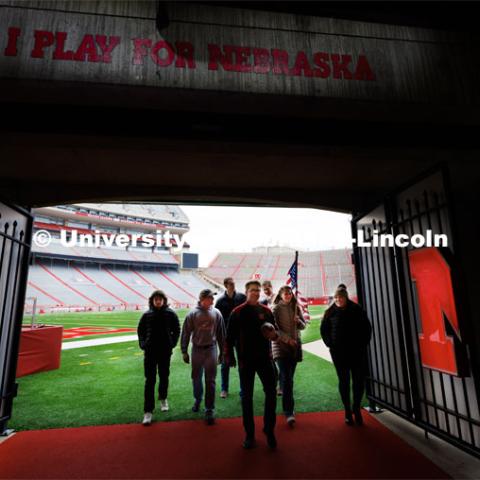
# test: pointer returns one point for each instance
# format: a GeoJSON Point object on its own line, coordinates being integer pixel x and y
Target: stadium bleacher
{"type": "Point", "coordinates": [74, 285]}
{"type": "Point", "coordinates": [85, 277]}
{"type": "Point", "coordinates": [318, 272]}
{"type": "Point", "coordinates": [97, 278]}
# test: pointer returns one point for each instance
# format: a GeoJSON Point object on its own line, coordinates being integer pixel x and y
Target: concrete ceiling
{"type": "Point", "coordinates": [64, 144]}
{"type": "Point", "coordinates": [47, 169]}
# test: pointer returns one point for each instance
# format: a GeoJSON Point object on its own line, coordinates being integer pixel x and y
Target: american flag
{"type": "Point", "coordinates": [303, 304]}
{"type": "Point", "coordinates": [292, 275]}
{"type": "Point", "coordinates": [293, 282]}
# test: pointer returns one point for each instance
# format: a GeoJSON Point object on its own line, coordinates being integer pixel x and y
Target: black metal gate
{"type": "Point", "coordinates": [400, 378]}
{"type": "Point", "coordinates": [15, 237]}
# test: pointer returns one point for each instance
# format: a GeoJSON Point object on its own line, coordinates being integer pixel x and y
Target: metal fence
{"type": "Point", "coordinates": [15, 235]}
{"type": "Point", "coordinates": [400, 379]}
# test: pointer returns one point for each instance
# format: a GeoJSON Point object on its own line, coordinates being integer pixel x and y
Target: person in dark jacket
{"type": "Point", "coordinates": [158, 332]}
{"type": "Point", "coordinates": [346, 331]}
{"type": "Point", "coordinates": [251, 328]}
{"type": "Point", "coordinates": [226, 303]}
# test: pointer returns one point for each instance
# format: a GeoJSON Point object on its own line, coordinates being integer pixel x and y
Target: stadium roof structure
{"type": "Point", "coordinates": [132, 216]}
{"type": "Point", "coordinates": [171, 213]}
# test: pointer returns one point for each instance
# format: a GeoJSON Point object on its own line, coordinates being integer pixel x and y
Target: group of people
{"type": "Point", "coordinates": [260, 336]}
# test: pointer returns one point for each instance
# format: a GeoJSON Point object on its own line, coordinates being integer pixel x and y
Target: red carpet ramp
{"type": "Point", "coordinates": [320, 446]}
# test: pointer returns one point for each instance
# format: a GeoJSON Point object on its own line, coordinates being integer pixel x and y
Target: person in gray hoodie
{"type": "Point", "coordinates": [204, 326]}
{"type": "Point", "coordinates": [287, 350]}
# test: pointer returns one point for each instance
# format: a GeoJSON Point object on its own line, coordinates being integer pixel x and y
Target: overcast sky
{"type": "Point", "coordinates": [239, 229]}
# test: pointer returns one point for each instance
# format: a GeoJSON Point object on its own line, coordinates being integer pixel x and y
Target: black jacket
{"type": "Point", "coordinates": [346, 330]}
{"type": "Point", "coordinates": [244, 333]}
{"type": "Point", "coordinates": [158, 329]}
{"type": "Point", "coordinates": [226, 304]}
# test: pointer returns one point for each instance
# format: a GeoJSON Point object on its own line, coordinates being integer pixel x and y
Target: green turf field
{"type": "Point", "coordinates": [312, 332]}
{"type": "Point", "coordinates": [104, 384]}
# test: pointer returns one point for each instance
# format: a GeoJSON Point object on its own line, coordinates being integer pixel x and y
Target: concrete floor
{"type": "Point", "coordinates": [452, 460]}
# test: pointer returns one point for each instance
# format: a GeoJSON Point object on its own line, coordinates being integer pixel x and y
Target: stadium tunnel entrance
{"type": "Point", "coordinates": [398, 160]}
{"type": "Point", "coordinates": [435, 389]}
{"type": "Point", "coordinates": [90, 281]}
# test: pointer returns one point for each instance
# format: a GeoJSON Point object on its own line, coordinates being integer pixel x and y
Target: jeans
{"type": "Point", "coordinates": [346, 365]}
{"type": "Point", "coordinates": [286, 367]}
{"type": "Point", "coordinates": [280, 378]}
{"type": "Point", "coordinates": [153, 361]}
{"type": "Point", "coordinates": [268, 376]}
{"type": "Point", "coordinates": [225, 373]}
{"type": "Point", "coordinates": [204, 360]}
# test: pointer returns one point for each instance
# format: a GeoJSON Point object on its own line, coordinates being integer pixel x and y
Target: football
{"type": "Point", "coordinates": [267, 330]}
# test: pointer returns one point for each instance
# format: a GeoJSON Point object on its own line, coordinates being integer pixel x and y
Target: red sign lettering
{"type": "Point", "coordinates": [437, 306]}
{"type": "Point", "coordinates": [184, 53]}
{"type": "Point", "coordinates": [261, 60]}
{"type": "Point", "coordinates": [238, 59]}
{"type": "Point", "coordinates": [164, 59]}
{"type": "Point", "coordinates": [92, 48]}
{"type": "Point", "coordinates": [340, 66]}
{"type": "Point", "coordinates": [43, 39]}
{"type": "Point", "coordinates": [13, 34]}
{"type": "Point", "coordinates": [230, 58]}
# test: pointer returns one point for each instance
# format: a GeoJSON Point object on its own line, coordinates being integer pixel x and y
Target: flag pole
{"type": "Point", "coordinates": [296, 268]}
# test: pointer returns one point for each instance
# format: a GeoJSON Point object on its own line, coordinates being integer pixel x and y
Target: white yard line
{"type": "Point", "coordinates": [98, 341]}
{"type": "Point", "coordinates": [318, 348]}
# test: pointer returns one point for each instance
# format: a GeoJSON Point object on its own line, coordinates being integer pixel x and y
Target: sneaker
{"type": "Point", "coordinates": [348, 418]}
{"type": "Point", "coordinates": [147, 418]}
{"type": "Point", "coordinates": [357, 413]}
{"type": "Point", "coordinates": [164, 405]}
{"type": "Point", "coordinates": [223, 394]}
{"type": "Point", "coordinates": [196, 407]}
{"type": "Point", "coordinates": [291, 421]}
{"type": "Point", "coordinates": [271, 440]}
{"type": "Point", "coordinates": [249, 443]}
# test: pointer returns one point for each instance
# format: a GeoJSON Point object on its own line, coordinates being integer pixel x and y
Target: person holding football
{"type": "Point", "coordinates": [251, 328]}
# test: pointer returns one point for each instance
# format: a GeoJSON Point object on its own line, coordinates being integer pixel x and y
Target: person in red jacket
{"type": "Point", "coordinates": [251, 328]}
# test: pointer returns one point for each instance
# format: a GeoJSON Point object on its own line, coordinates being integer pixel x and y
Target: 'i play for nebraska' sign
{"type": "Point", "coordinates": [57, 46]}
{"type": "Point", "coordinates": [205, 48]}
